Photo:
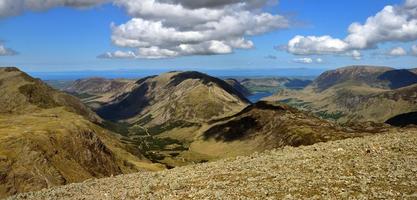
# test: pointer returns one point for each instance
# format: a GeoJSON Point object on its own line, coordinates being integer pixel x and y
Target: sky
{"type": "Point", "coordinates": [84, 35]}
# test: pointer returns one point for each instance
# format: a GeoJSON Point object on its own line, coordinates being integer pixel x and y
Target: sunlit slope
{"type": "Point", "coordinates": [48, 138]}
{"type": "Point", "coordinates": [362, 96]}
{"type": "Point", "coordinates": [373, 167]}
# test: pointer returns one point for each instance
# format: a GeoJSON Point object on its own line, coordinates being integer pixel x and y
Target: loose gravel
{"type": "Point", "coordinates": [373, 167]}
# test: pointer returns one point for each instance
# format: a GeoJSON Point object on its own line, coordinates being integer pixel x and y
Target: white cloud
{"type": "Point", "coordinates": [15, 7]}
{"type": "Point", "coordinates": [397, 51]}
{"type": "Point", "coordinates": [414, 50]}
{"type": "Point", "coordinates": [172, 28]}
{"type": "Point", "coordinates": [303, 60]}
{"type": "Point", "coordinates": [118, 54]}
{"type": "Point", "coordinates": [308, 60]}
{"type": "Point", "coordinates": [355, 54]}
{"type": "Point", "coordinates": [4, 51]}
{"type": "Point", "coordinates": [312, 45]}
{"type": "Point", "coordinates": [393, 23]}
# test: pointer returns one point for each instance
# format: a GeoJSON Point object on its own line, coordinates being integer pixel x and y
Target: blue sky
{"type": "Point", "coordinates": [70, 39]}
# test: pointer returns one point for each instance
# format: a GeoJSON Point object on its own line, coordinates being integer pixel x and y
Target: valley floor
{"type": "Point", "coordinates": [375, 167]}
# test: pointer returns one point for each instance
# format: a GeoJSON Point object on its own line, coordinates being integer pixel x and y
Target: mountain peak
{"type": "Point", "coordinates": [175, 96]}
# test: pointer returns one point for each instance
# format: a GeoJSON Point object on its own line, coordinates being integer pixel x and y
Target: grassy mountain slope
{"type": "Point", "coordinates": [162, 114]}
{"type": "Point", "coordinates": [97, 91]}
{"type": "Point", "coordinates": [187, 96]}
{"type": "Point", "coordinates": [362, 74]}
{"type": "Point", "coordinates": [355, 96]}
{"type": "Point", "coordinates": [265, 126]}
{"type": "Point", "coordinates": [373, 167]}
{"type": "Point", "coordinates": [49, 138]}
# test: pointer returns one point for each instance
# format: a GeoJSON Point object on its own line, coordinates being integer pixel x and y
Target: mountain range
{"type": "Point", "coordinates": [356, 93]}
{"type": "Point", "coordinates": [104, 127]}
{"type": "Point", "coordinates": [179, 118]}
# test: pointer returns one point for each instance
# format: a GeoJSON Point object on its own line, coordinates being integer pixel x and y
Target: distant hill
{"type": "Point", "coordinates": [362, 74]}
{"type": "Point", "coordinates": [356, 94]}
{"type": "Point", "coordinates": [98, 85]}
{"type": "Point", "coordinates": [50, 138]}
{"type": "Point", "coordinates": [176, 96]}
{"type": "Point", "coordinates": [97, 91]}
{"type": "Point", "coordinates": [273, 84]}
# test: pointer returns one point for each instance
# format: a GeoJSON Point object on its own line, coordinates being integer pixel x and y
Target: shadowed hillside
{"type": "Point", "coordinates": [237, 86]}
{"type": "Point", "coordinates": [398, 78]}
{"type": "Point", "coordinates": [402, 120]}
{"type": "Point", "coordinates": [264, 126]}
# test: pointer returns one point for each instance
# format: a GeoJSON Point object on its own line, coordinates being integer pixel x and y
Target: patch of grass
{"type": "Point", "coordinates": [120, 128]}
{"type": "Point", "coordinates": [169, 126]}
{"type": "Point", "coordinates": [81, 95]}
{"type": "Point", "coordinates": [297, 103]}
{"type": "Point", "coordinates": [39, 95]}
{"type": "Point", "coordinates": [145, 120]}
{"type": "Point", "coordinates": [330, 116]}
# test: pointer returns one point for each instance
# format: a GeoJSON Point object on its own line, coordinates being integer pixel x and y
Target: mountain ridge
{"type": "Point", "coordinates": [50, 138]}
{"type": "Point", "coordinates": [375, 95]}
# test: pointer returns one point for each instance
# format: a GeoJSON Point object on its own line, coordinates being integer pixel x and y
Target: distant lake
{"type": "Point", "coordinates": [258, 96]}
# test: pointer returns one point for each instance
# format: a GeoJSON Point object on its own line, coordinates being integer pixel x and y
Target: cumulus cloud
{"type": "Point", "coordinates": [4, 51]}
{"type": "Point", "coordinates": [311, 45]}
{"type": "Point", "coordinates": [397, 51]}
{"type": "Point", "coordinates": [172, 28]}
{"type": "Point", "coordinates": [15, 7]}
{"type": "Point", "coordinates": [393, 23]}
{"type": "Point", "coordinates": [308, 60]}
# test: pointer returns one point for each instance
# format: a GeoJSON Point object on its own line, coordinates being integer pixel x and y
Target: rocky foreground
{"type": "Point", "coordinates": [374, 167]}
